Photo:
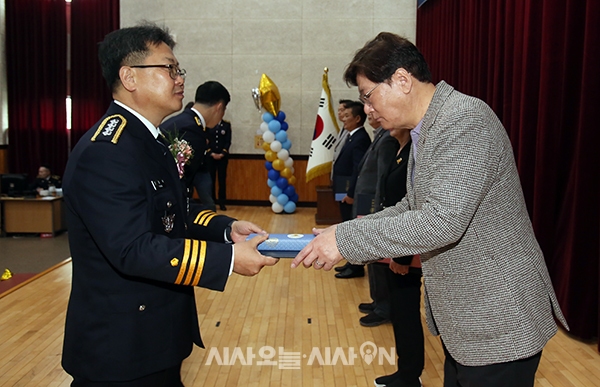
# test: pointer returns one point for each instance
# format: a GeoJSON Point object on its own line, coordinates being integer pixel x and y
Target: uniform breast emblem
{"type": "Point", "coordinates": [168, 222]}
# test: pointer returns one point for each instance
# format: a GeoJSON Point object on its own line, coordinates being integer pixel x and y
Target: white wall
{"type": "Point", "coordinates": [292, 41]}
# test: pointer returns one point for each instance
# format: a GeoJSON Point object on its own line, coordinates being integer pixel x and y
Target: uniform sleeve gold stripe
{"type": "Point", "coordinates": [202, 214]}
{"type": "Point", "coordinates": [207, 219]}
{"type": "Point", "coordinates": [200, 263]}
{"type": "Point", "coordinates": [193, 262]}
{"type": "Point", "coordinates": [185, 258]}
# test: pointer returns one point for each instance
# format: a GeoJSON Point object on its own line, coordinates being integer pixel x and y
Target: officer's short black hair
{"type": "Point", "coordinates": [211, 93]}
{"type": "Point", "coordinates": [129, 46]}
{"type": "Point", "coordinates": [346, 103]}
{"type": "Point", "coordinates": [358, 109]}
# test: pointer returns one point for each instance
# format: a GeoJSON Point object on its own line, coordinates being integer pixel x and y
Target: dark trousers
{"type": "Point", "coordinates": [218, 171]}
{"type": "Point", "coordinates": [518, 373]}
{"type": "Point", "coordinates": [203, 186]}
{"type": "Point", "coordinates": [379, 288]}
{"type": "Point", "coordinates": [170, 377]}
{"type": "Point", "coordinates": [405, 315]}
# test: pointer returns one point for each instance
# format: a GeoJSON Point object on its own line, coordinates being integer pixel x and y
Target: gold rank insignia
{"type": "Point", "coordinates": [174, 262]}
{"type": "Point", "coordinates": [110, 129]}
{"type": "Point", "coordinates": [204, 217]}
{"type": "Point", "coordinates": [192, 264]}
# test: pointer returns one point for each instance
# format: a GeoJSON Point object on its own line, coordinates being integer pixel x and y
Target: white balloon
{"type": "Point", "coordinates": [268, 136]}
{"type": "Point", "coordinates": [276, 207]}
{"type": "Point", "coordinates": [283, 154]}
{"type": "Point", "coordinates": [264, 127]}
{"type": "Point", "coordinates": [275, 145]}
{"type": "Point", "coordinates": [273, 198]}
{"type": "Point", "coordinates": [289, 162]}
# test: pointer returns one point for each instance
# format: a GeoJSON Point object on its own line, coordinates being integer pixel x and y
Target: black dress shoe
{"type": "Point", "coordinates": [351, 273]}
{"type": "Point", "coordinates": [222, 207]}
{"type": "Point", "coordinates": [366, 307]}
{"type": "Point", "coordinates": [372, 320]}
{"type": "Point", "coordinates": [342, 268]}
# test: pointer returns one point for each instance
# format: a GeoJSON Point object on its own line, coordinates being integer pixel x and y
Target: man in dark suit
{"type": "Point", "coordinates": [220, 141]}
{"type": "Point", "coordinates": [367, 191]}
{"type": "Point", "coordinates": [192, 125]}
{"type": "Point", "coordinates": [138, 247]}
{"type": "Point", "coordinates": [346, 168]}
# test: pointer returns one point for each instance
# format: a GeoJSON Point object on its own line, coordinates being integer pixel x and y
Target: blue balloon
{"type": "Point", "coordinates": [295, 198]}
{"type": "Point", "coordinates": [281, 136]}
{"type": "Point", "coordinates": [268, 165]}
{"type": "Point", "coordinates": [281, 116]}
{"type": "Point", "coordinates": [284, 126]}
{"type": "Point", "coordinates": [282, 182]}
{"type": "Point", "coordinates": [287, 144]}
{"type": "Point", "coordinates": [282, 199]}
{"type": "Point", "coordinates": [289, 190]}
{"type": "Point", "coordinates": [273, 174]}
{"type": "Point", "coordinates": [276, 191]}
{"type": "Point", "coordinates": [271, 183]}
{"type": "Point", "coordinates": [267, 117]}
{"type": "Point", "coordinates": [274, 126]}
{"type": "Point", "coordinates": [289, 207]}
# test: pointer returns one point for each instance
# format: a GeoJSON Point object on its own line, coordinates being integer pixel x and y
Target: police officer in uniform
{"type": "Point", "coordinates": [220, 141]}
{"type": "Point", "coordinates": [209, 106]}
{"type": "Point", "coordinates": [138, 247]}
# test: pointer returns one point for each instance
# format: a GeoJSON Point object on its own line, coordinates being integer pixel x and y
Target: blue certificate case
{"type": "Point", "coordinates": [283, 245]}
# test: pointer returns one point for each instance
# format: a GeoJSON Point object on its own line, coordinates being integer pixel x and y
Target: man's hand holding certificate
{"type": "Point", "coordinates": [321, 252]}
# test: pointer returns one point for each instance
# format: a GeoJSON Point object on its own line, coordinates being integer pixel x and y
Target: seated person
{"type": "Point", "coordinates": [45, 179]}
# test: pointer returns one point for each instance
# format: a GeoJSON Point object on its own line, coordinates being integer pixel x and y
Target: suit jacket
{"type": "Point", "coordinates": [220, 138]}
{"type": "Point", "coordinates": [136, 253]}
{"type": "Point", "coordinates": [487, 289]}
{"type": "Point", "coordinates": [348, 160]}
{"type": "Point", "coordinates": [371, 171]}
{"type": "Point", "coordinates": [187, 125]}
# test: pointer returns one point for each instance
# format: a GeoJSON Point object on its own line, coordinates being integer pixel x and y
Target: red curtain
{"type": "Point", "coordinates": [536, 64]}
{"type": "Point", "coordinates": [36, 48]}
{"type": "Point", "coordinates": [91, 21]}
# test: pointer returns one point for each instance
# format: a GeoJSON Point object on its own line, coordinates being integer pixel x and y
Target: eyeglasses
{"type": "Point", "coordinates": [365, 97]}
{"type": "Point", "coordinates": [174, 70]}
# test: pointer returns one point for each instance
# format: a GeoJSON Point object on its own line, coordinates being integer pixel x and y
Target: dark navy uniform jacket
{"type": "Point", "coordinates": [137, 254]}
{"type": "Point", "coordinates": [187, 125]}
{"type": "Point", "coordinates": [220, 138]}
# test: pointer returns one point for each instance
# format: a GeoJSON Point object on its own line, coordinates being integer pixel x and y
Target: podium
{"type": "Point", "coordinates": [328, 210]}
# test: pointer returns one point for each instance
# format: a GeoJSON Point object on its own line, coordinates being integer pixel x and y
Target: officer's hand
{"type": "Point", "coordinates": [241, 229]}
{"type": "Point", "coordinates": [247, 260]}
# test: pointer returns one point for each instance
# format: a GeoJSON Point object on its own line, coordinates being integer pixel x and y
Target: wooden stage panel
{"type": "Point", "coordinates": [271, 309]}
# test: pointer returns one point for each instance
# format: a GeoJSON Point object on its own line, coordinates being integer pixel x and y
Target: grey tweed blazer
{"type": "Point", "coordinates": [488, 293]}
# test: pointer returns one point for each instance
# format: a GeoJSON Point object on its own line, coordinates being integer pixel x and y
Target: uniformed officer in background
{"type": "Point", "coordinates": [220, 141]}
{"type": "Point", "coordinates": [138, 247]}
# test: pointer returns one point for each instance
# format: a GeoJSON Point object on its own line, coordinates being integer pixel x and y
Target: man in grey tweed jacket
{"type": "Point", "coordinates": [487, 289]}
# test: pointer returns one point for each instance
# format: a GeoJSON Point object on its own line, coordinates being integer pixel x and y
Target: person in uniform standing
{"type": "Point", "coordinates": [192, 125]}
{"type": "Point", "coordinates": [138, 246]}
{"type": "Point", "coordinates": [220, 141]}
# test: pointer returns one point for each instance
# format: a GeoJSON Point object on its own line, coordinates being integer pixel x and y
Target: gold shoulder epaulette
{"type": "Point", "coordinates": [110, 129]}
{"type": "Point", "coordinates": [198, 122]}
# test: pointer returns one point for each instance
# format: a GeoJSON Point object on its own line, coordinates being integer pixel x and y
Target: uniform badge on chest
{"type": "Point", "coordinates": [168, 222]}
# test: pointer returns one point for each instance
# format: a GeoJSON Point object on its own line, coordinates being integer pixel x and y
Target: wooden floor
{"type": "Point", "coordinates": [305, 321]}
